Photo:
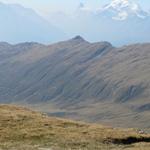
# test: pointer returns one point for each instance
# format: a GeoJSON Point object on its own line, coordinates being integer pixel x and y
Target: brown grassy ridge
{"type": "Point", "coordinates": [24, 129]}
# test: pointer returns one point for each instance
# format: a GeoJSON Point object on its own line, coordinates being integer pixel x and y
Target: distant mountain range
{"type": "Point", "coordinates": [19, 24]}
{"type": "Point", "coordinates": [88, 81]}
{"type": "Point", "coordinates": [119, 22]}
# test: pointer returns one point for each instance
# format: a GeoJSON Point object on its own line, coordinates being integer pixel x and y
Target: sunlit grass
{"type": "Point", "coordinates": [23, 129]}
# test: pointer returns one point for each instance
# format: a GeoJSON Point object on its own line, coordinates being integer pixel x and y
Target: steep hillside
{"type": "Point", "coordinates": [75, 78]}
{"type": "Point", "coordinates": [23, 129]}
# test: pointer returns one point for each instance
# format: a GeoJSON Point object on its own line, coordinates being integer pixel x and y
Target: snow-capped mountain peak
{"type": "Point", "coordinates": [119, 4]}
{"type": "Point", "coordinates": [123, 9]}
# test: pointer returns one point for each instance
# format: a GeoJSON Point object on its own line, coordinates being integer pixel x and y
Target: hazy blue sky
{"type": "Point", "coordinates": [44, 6]}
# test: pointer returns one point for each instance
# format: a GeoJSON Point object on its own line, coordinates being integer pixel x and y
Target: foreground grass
{"type": "Point", "coordinates": [23, 129]}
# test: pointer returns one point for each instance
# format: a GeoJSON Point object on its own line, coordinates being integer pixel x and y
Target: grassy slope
{"type": "Point", "coordinates": [23, 129]}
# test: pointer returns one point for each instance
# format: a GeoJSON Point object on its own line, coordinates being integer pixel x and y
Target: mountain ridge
{"type": "Point", "coordinates": [75, 38]}
{"type": "Point", "coordinates": [81, 80]}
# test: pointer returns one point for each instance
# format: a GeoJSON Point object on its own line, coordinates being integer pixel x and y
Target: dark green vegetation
{"type": "Point", "coordinates": [23, 129]}
{"type": "Point", "coordinates": [77, 79]}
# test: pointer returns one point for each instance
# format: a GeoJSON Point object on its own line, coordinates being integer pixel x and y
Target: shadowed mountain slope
{"type": "Point", "coordinates": [75, 78]}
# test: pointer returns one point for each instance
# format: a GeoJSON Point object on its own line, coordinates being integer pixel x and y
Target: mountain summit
{"type": "Point", "coordinates": [124, 9]}
{"type": "Point", "coordinates": [78, 39]}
